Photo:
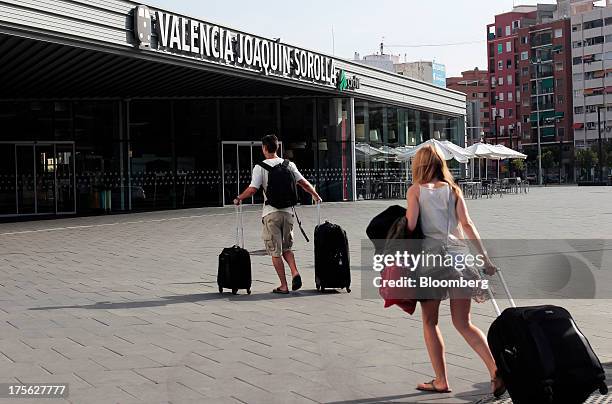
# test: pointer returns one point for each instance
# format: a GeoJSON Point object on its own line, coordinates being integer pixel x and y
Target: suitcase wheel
{"type": "Point", "coordinates": [603, 389]}
{"type": "Point", "coordinates": [234, 291]}
{"type": "Point", "coordinates": [220, 289]}
{"type": "Point", "coordinates": [348, 290]}
{"type": "Point", "coordinates": [318, 287]}
{"type": "Point", "coordinates": [249, 291]}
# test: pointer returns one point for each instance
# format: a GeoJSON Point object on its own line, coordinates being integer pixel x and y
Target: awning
{"type": "Point", "coordinates": [559, 114]}
{"type": "Point", "coordinates": [608, 89]}
{"type": "Point", "coordinates": [548, 131]}
{"type": "Point", "coordinates": [599, 74]}
{"type": "Point", "coordinates": [558, 48]}
{"type": "Point", "coordinates": [587, 91]}
{"type": "Point", "coordinates": [578, 125]}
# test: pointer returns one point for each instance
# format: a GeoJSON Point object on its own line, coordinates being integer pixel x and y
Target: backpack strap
{"type": "Point", "coordinates": [265, 166]}
{"type": "Point", "coordinates": [285, 163]}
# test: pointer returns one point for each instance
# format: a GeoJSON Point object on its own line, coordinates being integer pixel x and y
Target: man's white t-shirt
{"type": "Point", "coordinates": [260, 179]}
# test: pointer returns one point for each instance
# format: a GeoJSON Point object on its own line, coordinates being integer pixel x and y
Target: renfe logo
{"type": "Point", "coordinates": [344, 83]}
{"type": "Point", "coordinates": [142, 26]}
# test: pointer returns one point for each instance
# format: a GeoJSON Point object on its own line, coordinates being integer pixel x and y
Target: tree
{"type": "Point", "coordinates": [586, 159]}
{"type": "Point", "coordinates": [519, 166]}
{"type": "Point", "coordinates": [548, 160]}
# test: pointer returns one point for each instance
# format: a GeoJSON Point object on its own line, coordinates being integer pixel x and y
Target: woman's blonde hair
{"type": "Point", "coordinates": [429, 165]}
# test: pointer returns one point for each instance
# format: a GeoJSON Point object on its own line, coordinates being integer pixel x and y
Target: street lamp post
{"type": "Point", "coordinates": [497, 116]}
{"type": "Point", "coordinates": [599, 144]}
{"type": "Point", "coordinates": [536, 65]}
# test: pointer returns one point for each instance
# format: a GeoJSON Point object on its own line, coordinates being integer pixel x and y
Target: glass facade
{"type": "Point", "coordinates": [386, 127]}
{"type": "Point", "coordinates": [89, 157]}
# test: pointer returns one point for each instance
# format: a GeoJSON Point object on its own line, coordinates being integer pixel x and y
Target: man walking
{"type": "Point", "coordinates": [278, 178]}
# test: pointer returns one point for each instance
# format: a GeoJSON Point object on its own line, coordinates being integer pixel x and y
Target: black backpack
{"type": "Point", "coordinates": [281, 191]}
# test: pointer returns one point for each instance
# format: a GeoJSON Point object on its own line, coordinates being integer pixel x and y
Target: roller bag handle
{"type": "Point", "coordinates": [506, 290]}
{"type": "Point", "coordinates": [239, 227]}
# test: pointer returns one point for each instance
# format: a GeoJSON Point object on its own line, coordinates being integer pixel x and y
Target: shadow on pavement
{"type": "Point", "coordinates": [192, 298]}
{"type": "Point", "coordinates": [480, 390]}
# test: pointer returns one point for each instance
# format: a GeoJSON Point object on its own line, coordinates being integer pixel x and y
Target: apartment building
{"type": "Point", "coordinates": [592, 75]}
{"type": "Point", "coordinates": [544, 92]}
{"type": "Point", "coordinates": [529, 57]}
{"type": "Point", "coordinates": [475, 85]}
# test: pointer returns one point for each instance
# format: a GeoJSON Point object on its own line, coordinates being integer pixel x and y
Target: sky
{"type": "Point", "coordinates": [342, 28]}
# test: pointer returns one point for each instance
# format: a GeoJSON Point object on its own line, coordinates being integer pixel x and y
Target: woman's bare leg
{"type": "Point", "coordinates": [460, 313]}
{"type": "Point", "coordinates": [434, 342]}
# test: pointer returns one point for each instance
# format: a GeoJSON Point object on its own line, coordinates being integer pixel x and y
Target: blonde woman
{"type": "Point", "coordinates": [429, 197]}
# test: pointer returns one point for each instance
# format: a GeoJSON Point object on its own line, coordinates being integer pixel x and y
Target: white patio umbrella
{"type": "Point", "coordinates": [448, 152]}
{"type": "Point", "coordinates": [484, 151]}
{"type": "Point", "coordinates": [507, 152]}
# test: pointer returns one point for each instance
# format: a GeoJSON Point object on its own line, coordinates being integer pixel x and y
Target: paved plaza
{"type": "Point", "coordinates": [126, 309]}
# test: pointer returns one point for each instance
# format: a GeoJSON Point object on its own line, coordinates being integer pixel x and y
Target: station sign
{"type": "Point", "coordinates": [169, 33]}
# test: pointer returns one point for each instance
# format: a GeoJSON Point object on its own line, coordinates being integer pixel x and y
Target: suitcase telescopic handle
{"type": "Point", "coordinates": [318, 212]}
{"type": "Point", "coordinates": [506, 290]}
{"type": "Point", "coordinates": [239, 227]}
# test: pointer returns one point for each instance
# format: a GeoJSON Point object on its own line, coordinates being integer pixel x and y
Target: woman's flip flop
{"type": "Point", "coordinates": [280, 291]}
{"type": "Point", "coordinates": [431, 388]}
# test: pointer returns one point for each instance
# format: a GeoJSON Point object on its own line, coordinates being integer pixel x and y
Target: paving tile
{"type": "Point", "coordinates": [125, 316]}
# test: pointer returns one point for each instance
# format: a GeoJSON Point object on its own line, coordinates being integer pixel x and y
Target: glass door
{"type": "Point", "coordinates": [26, 179]}
{"type": "Point", "coordinates": [239, 158]}
{"type": "Point", "coordinates": [42, 178]}
{"type": "Point", "coordinates": [65, 178]}
{"type": "Point", "coordinates": [45, 170]}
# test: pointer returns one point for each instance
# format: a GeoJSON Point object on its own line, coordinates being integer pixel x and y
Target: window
{"type": "Point", "coordinates": [525, 118]}
{"type": "Point", "coordinates": [608, 56]}
{"type": "Point", "coordinates": [525, 88]}
{"type": "Point", "coordinates": [501, 96]}
{"type": "Point", "coordinates": [500, 48]}
{"type": "Point", "coordinates": [516, 24]}
{"type": "Point", "coordinates": [577, 44]}
{"type": "Point", "coordinates": [560, 99]}
{"type": "Point", "coordinates": [559, 66]}
{"type": "Point", "coordinates": [575, 27]}
{"type": "Point", "coordinates": [558, 32]}
{"type": "Point", "coordinates": [485, 114]}
{"type": "Point", "coordinates": [608, 21]}
{"type": "Point", "coordinates": [578, 110]}
{"type": "Point", "coordinates": [525, 71]}
{"type": "Point", "coordinates": [509, 96]}
{"type": "Point", "coordinates": [508, 32]}
{"type": "Point", "coordinates": [501, 112]}
{"type": "Point", "coordinates": [508, 64]}
{"type": "Point", "coordinates": [499, 31]}
{"type": "Point", "coordinates": [509, 79]}
{"type": "Point", "coordinates": [593, 24]}
{"type": "Point", "coordinates": [577, 93]}
{"type": "Point", "coordinates": [500, 81]}
{"type": "Point", "coordinates": [510, 113]}
{"type": "Point", "coordinates": [500, 65]}
{"type": "Point", "coordinates": [524, 55]}
{"type": "Point", "coordinates": [577, 77]}
{"type": "Point", "coordinates": [524, 40]}
{"type": "Point", "coordinates": [558, 83]}
{"type": "Point", "coordinates": [508, 46]}
{"type": "Point", "coordinates": [577, 60]}
{"type": "Point", "coordinates": [608, 38]}
{"type": "Point", "coordinates": [596, 40]}
{"type": "Point", "coordinates": [591, 125]}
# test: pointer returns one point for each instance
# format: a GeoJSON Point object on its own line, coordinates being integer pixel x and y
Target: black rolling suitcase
{"type": "Point", "coordinates": [332, 261]}
{"type": "Point", "coordinates": [542, 356]}
{"type": "Point", "coordinates": [235, 262]}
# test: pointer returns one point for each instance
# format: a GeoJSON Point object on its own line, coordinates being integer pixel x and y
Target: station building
{"type": "Point", "coordinates": [115, 106]}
